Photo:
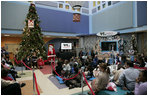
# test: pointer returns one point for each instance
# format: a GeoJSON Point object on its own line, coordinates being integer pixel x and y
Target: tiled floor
{"type": "Point", "coordinates": [47, 87]}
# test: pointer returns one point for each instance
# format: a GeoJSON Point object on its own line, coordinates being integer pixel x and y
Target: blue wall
{"type": "Point", "coordinates": [118, 16]}
{"type": "Point", "coordinates": [142, 13]}
{"type": "Point", "coordinates": [59, 21]}
{"type": "Point", "coordinates": [14, 14]}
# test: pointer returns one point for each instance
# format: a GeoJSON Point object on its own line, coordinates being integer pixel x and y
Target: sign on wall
{"type": "Point", "coordinates": [107, 33]}
{"type": "Point", "coordinates": [66, 45]}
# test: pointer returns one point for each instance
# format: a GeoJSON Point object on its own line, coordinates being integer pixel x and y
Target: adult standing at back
{"type": "Point", "coordinates": [92, 54]}
{"type": "Point", "coordinates": [80, 55]}
{"type": "Point", "coordinates": [128, 77]}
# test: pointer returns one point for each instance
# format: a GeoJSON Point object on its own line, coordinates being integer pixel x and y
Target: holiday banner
{"type": "Point", "coordinates": [76, 17]}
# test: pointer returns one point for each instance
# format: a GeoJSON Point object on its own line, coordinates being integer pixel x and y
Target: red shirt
{"type": "Point", "coordinates": [40, 62]}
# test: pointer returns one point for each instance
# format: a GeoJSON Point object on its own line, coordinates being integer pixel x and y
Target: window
{"type": "Point", "coordinates": [109, 3]}
{"type": "Point", "coordinates": [109, 46]}
{"type": "Point", "coordinates": [94, 3]}
{"type": "Point", "coordinates": [78, 10]}
{"type": "Point", "coordinates": [73, 8]}
{"type": "Point", "coordinates": [114, 2]}
{"type": "Point", "coordinates": [66, 1]}
{"type": "Point", "coordinates": [98, 2]}
{"type": "Point", "coordinates": [104, 5]}
{"type": "Point", "coordinates": [67, 6]}
{"type": "Point", "coordinates": [60, 5]}
{"type": "Point", "coordinates": [99, 7]}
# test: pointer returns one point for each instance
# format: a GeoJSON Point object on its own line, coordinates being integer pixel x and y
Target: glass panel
{"type": "Point", "coordinates": [98, 2]}
{"type": "Point", "coordinates": [99, 7]}
{"type": "Point", "coordinates": [104, 5]}
{"type": "Point", "coordinates": [94, 3]}
{"type": "Point", "coordinates": [78, 10]}
{"type": "Point", "coordinates": [73, 8]}
{"type": "Point", "coordinates": [109, 3]}
{"type": "Point", "coordinates": [60, 5]}
{"type": "Point", "coordinates": [67, 6]}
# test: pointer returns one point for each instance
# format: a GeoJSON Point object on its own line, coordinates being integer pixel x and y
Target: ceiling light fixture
{"type": "Point", "coordinates": [6, 35]}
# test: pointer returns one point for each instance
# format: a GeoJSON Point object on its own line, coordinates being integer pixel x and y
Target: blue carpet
{"type": "Point", "coordinates": [19, 68]}
{"type": "Point", "coordinates": [56, 82]}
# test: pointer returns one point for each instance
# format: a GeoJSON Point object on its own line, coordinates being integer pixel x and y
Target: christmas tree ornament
{"type": "Point", "coordinates": [31, 23]}
{"type": "Point", "coordinates": [23, 29]}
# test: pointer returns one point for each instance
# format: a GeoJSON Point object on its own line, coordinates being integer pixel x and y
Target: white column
{"type": "Point", "coordinates": [134, 13]}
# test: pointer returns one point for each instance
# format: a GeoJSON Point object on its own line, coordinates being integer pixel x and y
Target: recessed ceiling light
{"type": "Point", "coordinates": [6, 35]}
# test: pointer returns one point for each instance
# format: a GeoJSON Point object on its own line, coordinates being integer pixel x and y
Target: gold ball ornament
{"type": "Point", "coordinates": [23, 29]}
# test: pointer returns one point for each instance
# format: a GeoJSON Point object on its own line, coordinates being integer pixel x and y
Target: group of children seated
{"type": "Point", "coordinates": [34, 61]}
{"type": "Point", "coordinates": [125, 76]}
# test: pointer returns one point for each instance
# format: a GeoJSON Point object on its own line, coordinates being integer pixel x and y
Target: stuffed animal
{"type": "Point", "coordinates": [111, 86]}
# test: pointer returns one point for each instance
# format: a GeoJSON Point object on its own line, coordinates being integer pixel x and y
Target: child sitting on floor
{"type": "Point", "coordinates": [40, 62]}
{"type": "Point", "coordinates": [86, 72]}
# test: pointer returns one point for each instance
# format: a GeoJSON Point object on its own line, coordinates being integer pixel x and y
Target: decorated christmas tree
{"type": "Point", "coordinates": [32, 40]}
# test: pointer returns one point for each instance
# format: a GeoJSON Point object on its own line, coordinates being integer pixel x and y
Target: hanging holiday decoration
{"type": "Point", "coordinates": [31, 23]}
{"type": "Point", "coordinates": [76, 17]}
{"type": "Point", "coordinates": [133, 44]}
{"type": "Point", "coordinates": [122, 43]}
{"type": "Point", "coordinates": [76, 5]}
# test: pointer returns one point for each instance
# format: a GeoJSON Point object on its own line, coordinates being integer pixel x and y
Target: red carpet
{"type": "Point", "coordinates": [46, 69]}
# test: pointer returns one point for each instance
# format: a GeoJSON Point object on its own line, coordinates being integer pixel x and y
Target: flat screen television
{"type": "Point", "coordinates": [109, 45]}
{"type": "Point", "coordinates": [66, 45]}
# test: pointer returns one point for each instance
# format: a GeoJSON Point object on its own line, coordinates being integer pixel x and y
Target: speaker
{"type": "Point", "coordinates": [75, 44]}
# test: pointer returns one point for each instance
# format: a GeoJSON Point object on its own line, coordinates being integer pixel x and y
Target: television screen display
{"type": "Point", "coordinates": [109, 46]}
{"type": "Point", "coordinates": [66, 45]}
